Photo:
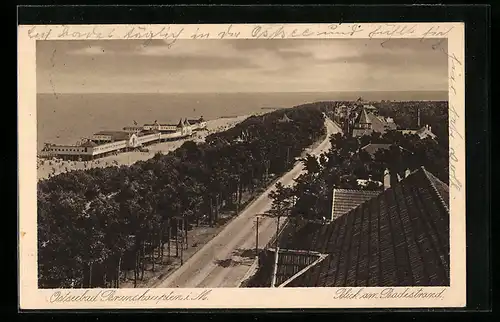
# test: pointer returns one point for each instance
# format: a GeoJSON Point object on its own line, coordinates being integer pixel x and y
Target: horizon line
{"type": "Point", "coordinates": [252, 92]}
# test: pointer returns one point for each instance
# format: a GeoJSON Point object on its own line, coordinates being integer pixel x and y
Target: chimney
{"type": "Point", "coordinates": [387, 179]}
{"type": "Point", "coordinates": [418, 117]}
{"type": "Point", "coordinates": [429, 128]}
{"type": "Point", "coordinates": [407, 172]}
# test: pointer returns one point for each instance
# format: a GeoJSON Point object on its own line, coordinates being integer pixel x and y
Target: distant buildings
{"type": "Point", "coordinates": [104, 143]}
{"type": "Point", "coordinates": [286, 119]}
{"type": "Point", "coordinates": [367, 123]}
{"type": "Point", "coordinates": [395, 237]}
{"type": "Point", "coordinates": [424, 132]}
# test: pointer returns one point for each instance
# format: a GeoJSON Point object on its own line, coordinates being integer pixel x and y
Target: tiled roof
{"type": "Point", "coordinates": [398, 238]}
{"type": "Point", "coordinates": [380, 125]}
{"type": "Point", "coordinates": [345, 200]}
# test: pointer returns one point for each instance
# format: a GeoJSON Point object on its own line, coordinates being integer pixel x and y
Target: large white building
{"type": "Point", "coordinates": [104, 143]}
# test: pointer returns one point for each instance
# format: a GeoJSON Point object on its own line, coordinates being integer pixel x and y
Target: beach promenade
{"type": "Point", "coordinates": [221, 262]}
{"type": "Point", "coordinates": [46, 168]}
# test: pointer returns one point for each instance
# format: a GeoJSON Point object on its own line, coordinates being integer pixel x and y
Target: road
{"type": "Point", "coordinates": [209, 267]}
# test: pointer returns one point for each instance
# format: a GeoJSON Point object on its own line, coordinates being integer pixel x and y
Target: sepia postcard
{"type": "Point", "coordinates": [241, 166]}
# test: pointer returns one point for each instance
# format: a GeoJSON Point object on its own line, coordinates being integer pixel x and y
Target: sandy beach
{"type": "Point", "coordinates": [48, 168]}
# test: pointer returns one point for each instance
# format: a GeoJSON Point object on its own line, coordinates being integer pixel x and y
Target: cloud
{"type": "Point", "coordinates": [239, 65]}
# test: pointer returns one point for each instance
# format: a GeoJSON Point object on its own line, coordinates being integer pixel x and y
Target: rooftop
{"type": "Point", "coordinates": [160, 124]}
{"type": "Point", "coordinates": [115, 135]}
{"type": "Point", "coordinates": [423, 132]}
{"type": "Point", "coordinates": [398, 238]}
{"type": "Point", "coordinates": [377, 124]}
{"type": "Point", "coordinates": [88, 144]}
{"type": "Point", "coordinates": [345, 200]}
{"type": "Point", "coordinates": [363, 118]}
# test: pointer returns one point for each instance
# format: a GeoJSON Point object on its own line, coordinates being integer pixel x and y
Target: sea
{"type": "Point", "coordinates": [67, 118]}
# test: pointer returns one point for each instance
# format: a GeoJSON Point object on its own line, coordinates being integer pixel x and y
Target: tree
{"type": "Point", "coordinates": [96, 223]}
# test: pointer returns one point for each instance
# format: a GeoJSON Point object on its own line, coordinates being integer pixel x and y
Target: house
{"type": "Point", "coordinates": [399, 237]}
{"type": "Point", "coordinates": [284, 119]}
{"type": "Point", "coordinates": [199, 124]}
{"type": "Point", "coordinates": [424, 132]}
{"type": "Point", "coordinates": [366, 123]}
{"type": "Point", "coordinates": [110, 136]}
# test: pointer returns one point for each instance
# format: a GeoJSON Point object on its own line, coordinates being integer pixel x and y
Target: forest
{"type": "Point", "coordinates": [311, 197]}
{"type": "Point", "coordinates": [93, 225]}
{"type": "Point", "coordinates": [433, 113]}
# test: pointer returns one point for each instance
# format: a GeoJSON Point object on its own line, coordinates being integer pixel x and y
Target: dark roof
{"type": "Point", "coordinates": [398, 238]}
{"type": "Point", "coordinates": [345, 200]}
{"type": "Point", "coordinates": [363, 118]}
{"type": "Point", "coordinates": [372, 148]}
{"type": "Point", "coordinates": [422, 132]}
{"type": "Point", "coordinates": [377, 124]}
{"type": "Point", "coordinates": [180, 124]}
{"type": "Point", "coordinates": [115, 135]}
{"type": "Point", "coordinates": [88, 144]}
{"type": "Point", "coordinates": [381, 125]}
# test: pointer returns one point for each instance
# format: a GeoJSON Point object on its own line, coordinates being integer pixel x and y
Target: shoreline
{"type": "Point", "coordinates": [47, 168]}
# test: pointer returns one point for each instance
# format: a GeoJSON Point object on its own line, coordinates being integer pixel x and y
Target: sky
{"type": "Point", "coordinates": [221, 66]}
